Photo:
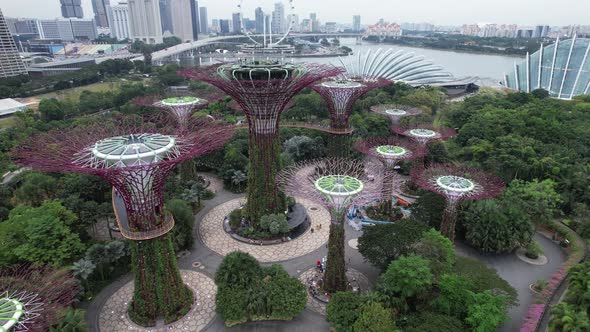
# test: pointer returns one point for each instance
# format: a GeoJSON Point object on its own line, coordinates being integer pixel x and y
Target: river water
{"type": "Point", "coordinates": [489, 69]}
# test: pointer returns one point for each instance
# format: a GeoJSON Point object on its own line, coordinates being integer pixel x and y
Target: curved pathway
{"type": "Point", "coordinates": [214, 236]}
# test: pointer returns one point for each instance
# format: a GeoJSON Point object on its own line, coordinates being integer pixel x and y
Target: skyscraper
{"type": "Point", "coordinates": [278, 18]}
{"type": "Point", "coordinates": [144, 19]}
{"type": "Point", "coordinates": [224, 26]}
{"type": "Point", "coordinates": [119, 21]}
{"type": "Point", "coordinates": [182, 20]}
{"type": "Point", "coordinates": [195, 18]}
{"type": "Point", "coordinates": [203, 21]}
{"type": "Point", "coordinates": [237, 23]}
{"type": "Point", "coordinates": [259, 14]}
{"type": "Point", "coordinates": [71, 8]}
{"type": "Point", "coordinates": [165, 15]}
{"type": "Point", "coordinates": [356, 23]}
{"type": "Point", "coordinates": [10, 61]}
{"type": "Point", "coordinates": [100, 8]}
{"type": "Point", "coordinates": [315, 25]}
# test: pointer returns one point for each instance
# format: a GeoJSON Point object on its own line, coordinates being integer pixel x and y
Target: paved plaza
{"type": "Point", "coordinates": [215, 238]}
{"type": "Point", "coordinates": [113, 316]}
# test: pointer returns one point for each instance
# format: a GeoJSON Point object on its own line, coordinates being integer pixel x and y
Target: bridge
{"type": "Point", "coordinates": [307, 125]}
{"type": "Point", "coordinates": [190, 47]}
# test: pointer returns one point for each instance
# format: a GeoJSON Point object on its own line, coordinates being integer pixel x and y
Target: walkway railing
{"type": "Point", "coordinates": [312, 126]}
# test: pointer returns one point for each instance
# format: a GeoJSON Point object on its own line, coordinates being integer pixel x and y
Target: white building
{"type": "Point", "coordinates": [182, 21]}
{"type": "Point", "coordinates": [145, 21]}
{"type": "Point", "coordinates": [10, 106]}
{"type": "Point", "coordinates": [279, 24]}
{"type": "Point", "coordinates": [11, 63]}
{"type": "Point", "coordinates": [384, 30]}
{"type": "Point", "coordinates": [119, 21]}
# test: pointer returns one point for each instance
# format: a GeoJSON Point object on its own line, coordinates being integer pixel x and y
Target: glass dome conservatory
{"type": "Point", "coordinates": [563, 69]}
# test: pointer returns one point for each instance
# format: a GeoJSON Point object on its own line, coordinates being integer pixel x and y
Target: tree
{"type": "Point", "coordinates": [35, 189]}
{"type": "Point", "coordinates": [579, 285]}
{"type": "Point", "coordinates": [484, 278]}
{"type": "Point", "coordinates": [425, 321]}
{"type": "Point", "coordinates": [51, 110]}
{"type": "Point", "coordinates": [381, 244]}
{"type": "Point", "coordinates": [72, 320]}
{"type": "Point", "coordinates": [304, 148]}
{"type": "Point", "coordinates": [238, 179]}
{"type": "Point", "coordinates": [238, 269]}
{"type": "Point", "coordinates": [567, 318]}
{"type": "Point", "coordinates": [438, 250]}
{"type": "Point", "coordinates": [194, 193]}
{"type": "Point", "coordinates": [374, 318]}
{"type": "Point", "coordinates": [540, 93]}
{"type": "Point", "coordinates": [496, 226]}
{"type": "Point", "coordinates": [455, 296]}
{"type": "Point", "coordinates": [487, 312]}
{"type": "Point", "coordinates": [539, 199]}
{"type": "Point", "coordinates": [343, 310]}
{"type": "Point", "coordinates": [182, 233]}
{"type": "Point", "coordinates": [428, 209]}
{"type": "Point", "coordinates": [43, 234]}
{"type": "Point", "coordinates": [407, 276]}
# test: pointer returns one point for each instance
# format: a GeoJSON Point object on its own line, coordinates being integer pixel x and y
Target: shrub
{"type": "Point", "coordinates": [407, 276]}
{"type": "Point", "coordinates": [182, 233]}
{"type": "Point", "coordinates": [235, 218]}
{"type": "Point", "coordinates": [374, 318]}
{"type": "Point", "coordinates": [238, 269]}
{"type": "Point", "coordinates": [433, 322]}
{"type": "Point", "coordinates": [72, 320]}
{"type": "Point", "coordinates": [533, 250]}
{"type": "Point", "coordinates": [230, 304]}
{"type": "Point", "coordinates": [274, 223]}
{"type": "Point", "coordinates": [487, 312]}
{"type": "Point", "coordinates": [343, 310]}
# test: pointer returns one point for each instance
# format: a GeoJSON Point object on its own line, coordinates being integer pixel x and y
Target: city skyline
{"type": "Point", "coordinates": [500, 11]}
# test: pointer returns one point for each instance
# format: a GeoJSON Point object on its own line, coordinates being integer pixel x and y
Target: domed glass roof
{"type": "Point", "coordinates": [563, 69]}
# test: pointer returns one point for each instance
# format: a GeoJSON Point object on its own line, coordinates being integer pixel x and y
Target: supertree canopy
{"type": "Point", "coordinates": [424, 133]}
{"type": "Point", "coordinates": [340, 95]}
{"type": "Point", "coordinates": [263, 90]}
{"type": "Point", "coordinates": [135, 157]}
{"type": "Point", "coordinates": [337, 184]}
{"type": "Point", "coordinates": [396, 112]}
{"type": "Point", "coordinates": [31, 297]}
{"type": "Point", "coordinates": [456, 184]}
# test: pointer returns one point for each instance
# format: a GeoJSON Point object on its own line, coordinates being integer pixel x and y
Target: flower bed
{"type": "Point", "coordinates": [576, 255]}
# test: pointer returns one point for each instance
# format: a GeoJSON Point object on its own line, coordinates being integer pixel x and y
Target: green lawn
{"type": "Point", "coordinates": [74, 93]}
{"type": "Point", "coordinates": [7, 122]}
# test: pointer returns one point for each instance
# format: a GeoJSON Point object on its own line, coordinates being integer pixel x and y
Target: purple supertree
{"type": "Point", "coordinates": [135, 157]}
{"type": "Point", "coordinates": [456, 183]}
{"type": "Point", "coordinates": [32, 297]}
{"type": "Point", "coordinates": [236, 107]}
{"type": "Point", "coordinates": [396, 112]}
{"type": "Point", "coordinates": [424, 133]}
{"type": "Point", "coordinates": [263, 90]}
{"type": "Point", "coordinates": [391, 150]}
{"type": "Point", "coordinates": [337, 184]}
{"type": "Point", "coordinates": [340, 94]}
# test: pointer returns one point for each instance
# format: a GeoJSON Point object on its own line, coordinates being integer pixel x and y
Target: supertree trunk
{"type": "Point", "coordinates": [388, 188]}
{"type": "Point", "coordinates": [449, 219]}
{"type": "Point", "coordinates": [335, 275]}
{"type": "Point", "coordinates": [339, 146]}
{"type": "Point", "coordinates": [263, 195]}
{"type": "Point", "coordinates": [159, 290]}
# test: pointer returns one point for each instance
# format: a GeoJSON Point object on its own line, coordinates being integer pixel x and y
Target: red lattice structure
{"type": "Point", "coordinates": [236, 107]}
{"type": "Point", "coordinates": [336, 184]}
{"type": "Point", "coordinates": [41, 290]}
{"type": "Point", "coordinates": [139, 182]}
{"type": "Point", "coordinates": [262, 90]}
{"type": "Point", "coordinates": [396, 112]}
{"type": "Point", "coordinates": [423, 133]}
{"type": "Point", "coordinates": [456, 183]}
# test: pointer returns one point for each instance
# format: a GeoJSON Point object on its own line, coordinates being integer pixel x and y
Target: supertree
{"type": "Point", "coordinates": [340, 94]}
{"type": "Point", "coordinates": [390, 151]}
{"type": "Point", "coordinates": [396, 112]}
{"type": "Point", "coordinates": [236, 107]}
{"type": "Point", "coordinates": [263, 90]}
{"type": "Point", "coordinates": [337, 184]}
{"type": "Point", "coordinates": [31, 297]}
{"type": "Point", "coordinates": [135, 157]}
{"type": "Point", "coordinates": [423, 133]}
{"type": "Point", "coordinates": [456, 183]}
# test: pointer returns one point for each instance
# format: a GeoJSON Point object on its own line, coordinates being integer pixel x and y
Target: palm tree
{"type": "Point", "coordinates": [83, 269]}
{"type": "Point", "coordinates": [193, 193]}
{"type": "Point", "coordinates": [565, 318]}
{"type": "Point", "coordinates": [238, 178]}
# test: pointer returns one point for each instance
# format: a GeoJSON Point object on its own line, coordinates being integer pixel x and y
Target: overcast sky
{"type": "Point", "coordinates": [442, 12]}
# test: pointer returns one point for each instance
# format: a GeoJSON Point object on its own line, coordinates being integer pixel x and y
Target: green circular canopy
{"type": "Point", "coordinates": [423, 133]}
{"type": "Point", "coordinates": [455, 184]}
{"type": "Point", "coordinates": [181, 101]}
{"type": "Point", "coordinates": [133, 150]}
{"type": "Point", "coordinates": [391, 151]}
{"type": "Point", "coordinates": [10, 312]}
{"type": "Point", "coordinates": [339, 185]}
{"type": "Point", "coordinates": [397, 112]}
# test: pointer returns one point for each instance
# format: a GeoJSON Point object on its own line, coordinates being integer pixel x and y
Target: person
{"type": "Point", "coordinates": [319, 265]}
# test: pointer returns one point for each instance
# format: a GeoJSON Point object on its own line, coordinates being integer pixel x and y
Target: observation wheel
{"type": "Point", "coordinates": [290, 11]}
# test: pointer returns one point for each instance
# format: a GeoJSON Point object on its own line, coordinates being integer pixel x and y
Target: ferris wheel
{"type": "Point", "coordinates": [290, 13]}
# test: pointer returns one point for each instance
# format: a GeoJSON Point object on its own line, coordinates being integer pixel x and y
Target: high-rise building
{"type": "Point", "coordinates": [315, 24]}
{"type": "Point", "coordinates": [356, 23]}
{"type": "Point", "coordinates": [10, 62]}
{"type": "Point", "coordinates": [119, 21]}
{"type": "Point", "coordinates": [165, 15]}
{"type": "Point", "coordinates": [55, 29]}
{"type": "Point", "coordinates": [195, 18]}
{"type": "Point", "coordinates": [203, 21]}
{"type": "Point", "coordinates": [182, 20]}
{"type": "Point", "coordinates": [278, 18]}
{"type": "Point", "coordinates": [237, 23]}
{"type": "Point", "coordinates": [224, 26]}
{"type": "Point", "coordinates": [100, 8]}
{"type": "Point", "coordinates": [83, 29]}
{"type": "Point", "coordinates": [293, 20]}
{"type": "Point", "coordinates": [22, 26]}
{"type": "Point", "coordinates": [71, 8]}
{"type": "Point", "coordinates": [259, 15]}
{"type": "Point", "coordinates": [267, 19]}
{"type": "Point", "coordinates": [145, 21]}
{"type": "Point", "coordinates": [214, 25]}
